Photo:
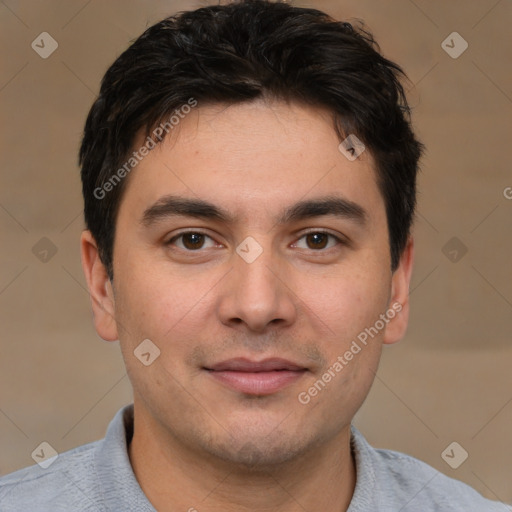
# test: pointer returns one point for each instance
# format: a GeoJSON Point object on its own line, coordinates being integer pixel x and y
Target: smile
{"type": "Point", "coordinates": [256, 378]}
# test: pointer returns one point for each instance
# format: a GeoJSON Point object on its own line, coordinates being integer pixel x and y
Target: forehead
{"type": "Point", "coordinates": [252, 158]}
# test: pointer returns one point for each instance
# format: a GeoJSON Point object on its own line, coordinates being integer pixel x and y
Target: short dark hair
{"type": "Point", "coordinates": [236, 53]}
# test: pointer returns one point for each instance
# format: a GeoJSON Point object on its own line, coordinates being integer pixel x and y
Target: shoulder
{"type": "Point", "coordinates": [69, 483]}
{"type": "Point", "coordinates": [423, 486]}
{"type": "Point", "coordinates": [402, 482]}
{"type": "Point", "coordinates": [94, 477]}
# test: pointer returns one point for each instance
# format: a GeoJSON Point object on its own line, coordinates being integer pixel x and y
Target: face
{"type": "Point", "coordinates": [253, 254]}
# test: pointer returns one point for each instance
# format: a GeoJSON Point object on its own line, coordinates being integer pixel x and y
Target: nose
{"type": "Point", "coordinates": [256, 294]}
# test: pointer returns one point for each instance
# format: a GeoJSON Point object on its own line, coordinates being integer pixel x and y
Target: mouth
{"type": "Point", "coordinates": [256, 377]}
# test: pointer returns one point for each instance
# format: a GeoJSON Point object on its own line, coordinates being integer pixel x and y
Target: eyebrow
{"type": "Point", "coordinates": [170, 206]}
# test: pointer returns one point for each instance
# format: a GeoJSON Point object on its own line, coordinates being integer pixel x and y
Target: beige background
{"type": "Point", "coordinates": [448, 380]}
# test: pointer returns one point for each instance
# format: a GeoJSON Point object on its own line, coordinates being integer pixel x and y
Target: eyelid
{"type": "Point", "coordinates": [342, 240]}
{"type": "Point", "coordinates": [198, 231]}
{"type": "Point", "coordinates": [325, 231]}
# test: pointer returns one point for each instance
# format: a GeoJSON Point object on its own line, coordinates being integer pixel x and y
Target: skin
{"type": "Point", "coordinates": [198, 444]}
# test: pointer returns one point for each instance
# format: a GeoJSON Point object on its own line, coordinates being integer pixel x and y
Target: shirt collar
{"type": "Point", "coordinates": [363, 498]}
{"type": "Point", "coordinates": [121, 490]}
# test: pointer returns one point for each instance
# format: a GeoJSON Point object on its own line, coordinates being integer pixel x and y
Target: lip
{"type": "Point", "coordinates": [242, 364]}
{"type": "Point", "coordinates": [256, 377]}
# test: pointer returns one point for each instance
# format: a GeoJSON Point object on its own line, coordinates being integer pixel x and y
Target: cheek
{"type": "Point", "coordinates": [347, 303]}
{"type": "Point", "coordinates": [153, 301]}
{"type": "Point", "coordinates": [151, 309]}
{"type": "Point", "coordinates": [168, 308]}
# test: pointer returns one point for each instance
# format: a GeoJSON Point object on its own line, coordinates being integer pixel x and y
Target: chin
{"type": "Point", "coordinates": [259, 451]}
{"type": "Point", "coordinates": [254, 457]}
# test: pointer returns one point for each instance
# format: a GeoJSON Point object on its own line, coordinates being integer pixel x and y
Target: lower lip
{"type": "Point", "coordinates": [257, 383]}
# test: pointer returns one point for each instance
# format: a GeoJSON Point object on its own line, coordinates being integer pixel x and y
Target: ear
{"type": "Point", "coordinates": [100, 288]}
{"type": "Point", "coordinates": [399, 302]}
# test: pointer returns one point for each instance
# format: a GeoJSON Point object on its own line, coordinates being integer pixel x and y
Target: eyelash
{"type": "Point", "coordinates": [339, 240]}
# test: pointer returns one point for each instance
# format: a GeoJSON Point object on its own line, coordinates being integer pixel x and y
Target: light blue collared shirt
{"type": "Point", "coordinates": [98, 477]}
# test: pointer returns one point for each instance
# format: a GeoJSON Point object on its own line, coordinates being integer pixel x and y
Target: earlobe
{"type": "Point", "coordinates": [399, 302]}
{"type": "Point", "coordinates": [100, 288]}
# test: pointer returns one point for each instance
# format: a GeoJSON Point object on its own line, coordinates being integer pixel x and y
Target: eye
{"type": "Point", "coordinates": [319, 240]}
{"type": "Point", "coordinates": [191, 241]}
{"type": "Point", "coordinates": [195, 240]}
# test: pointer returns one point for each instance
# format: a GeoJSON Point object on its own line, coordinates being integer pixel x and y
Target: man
{"type": "Point", "coordinates": [249, 181]}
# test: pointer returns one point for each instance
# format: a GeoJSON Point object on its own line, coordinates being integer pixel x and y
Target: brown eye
{"type": "Point", "coordinates": [191, 241]}
{"type": "Point", "coordinates": [318, 241]}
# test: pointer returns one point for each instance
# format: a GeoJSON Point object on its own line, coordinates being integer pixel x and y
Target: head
{"type": "Point", "coordinates": [223, 220]}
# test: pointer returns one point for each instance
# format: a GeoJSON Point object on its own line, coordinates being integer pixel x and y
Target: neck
{"type": "Point", "coordinates": [174, 477]}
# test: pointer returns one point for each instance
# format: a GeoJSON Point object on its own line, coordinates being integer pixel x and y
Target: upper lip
{"type": "Point", "coordinates": [241, 364]}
